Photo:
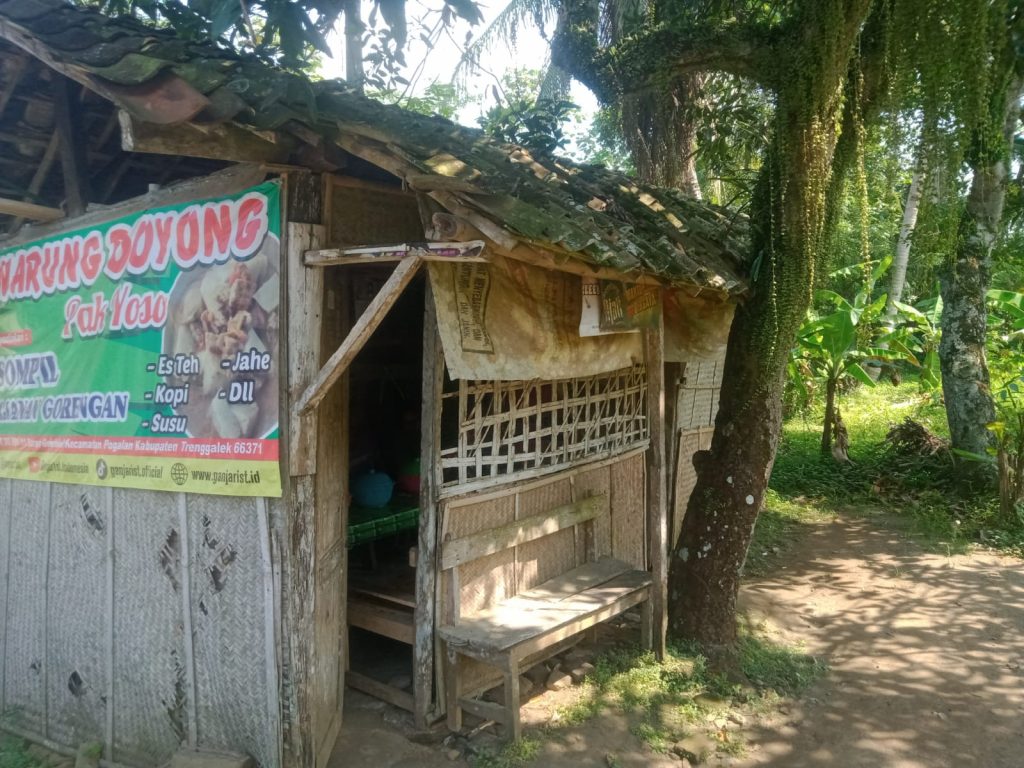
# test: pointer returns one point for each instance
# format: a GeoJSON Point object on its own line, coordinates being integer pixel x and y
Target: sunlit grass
{"type": "Point", "coordinates": [921, 490]}
{"type": "Point", "coordinates": [682, 696]}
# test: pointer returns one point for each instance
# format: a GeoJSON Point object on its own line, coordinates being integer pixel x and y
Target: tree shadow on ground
{"type": "Point", "coordinates": [926, 653]}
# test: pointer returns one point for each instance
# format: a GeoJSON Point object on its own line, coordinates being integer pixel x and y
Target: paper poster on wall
{"type": "Point", "coordinates": [611, 306]}
{"type": "Point", "coordinates": [508, 321]}
{"type": "Point", "coordinates": [472, 286]}
{"type": "Point", "coordinates": [143, 353]}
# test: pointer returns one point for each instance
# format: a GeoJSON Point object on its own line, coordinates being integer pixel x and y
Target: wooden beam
{"type": "Point", "coordinates": [228, 181]}
{"type": "Point", "coordinates": [351, 182]}
{"type": "Point", "coordinates": [513, 534]}
{"type": "Point", "coordinates": [39, 177]}
{"type": "Point", "coordinates": [222, 141]}
{"type": "Point", "coordinates": [657, 487]}
{"type": "Point", "coordinates": [29, 210]}
{"type": "Point", "coordinates": [379, 690]}
{"type": "Point", "coordinates": [360, 334]}
{"type": "Point", "coordinates": [382, 254]}
{"type": "Point", "coordinates": [73, 157]}
{"type": "Point", "coordinates": [17, 70]}
{"type": "Point", "coordinates": [381, 620]}
{"type": "Point", "coordinates": [425, 654]}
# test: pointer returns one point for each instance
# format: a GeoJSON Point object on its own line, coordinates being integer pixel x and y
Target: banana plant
{"type": "Point", "coordinates": [916, 333]}
{"type": "Point", "coordinates": [834, 346]}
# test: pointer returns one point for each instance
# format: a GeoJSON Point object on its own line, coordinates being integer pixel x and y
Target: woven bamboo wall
{"type": "Point", "coordinates": [369, 216]}
{"type": "Point", "coordinates": [137, 619]}
{"type": "Point", "coordinates": [619, 529]}
{"type": "Point", "coordinates": [696, 409]}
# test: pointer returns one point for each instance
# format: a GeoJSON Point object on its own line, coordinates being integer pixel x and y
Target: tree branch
{"type": "Point", "coordinates": [645, 58]}
{"type": "Point", "coordinates": [738, 50]}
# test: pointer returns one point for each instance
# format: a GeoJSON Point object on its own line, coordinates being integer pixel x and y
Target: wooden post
{"type": "Point", "coordinates": [673, 383]}
{"type": "Point", "coordinates": [301, 339]}
{"type": "Point", "coordinates": [657, 490]}
{"type": "Point", "coordinates": [426, 565]}
{"type": "Point", "coordinates": [73, 155]}
{"type": "Point", "coordinates": [305, 295]}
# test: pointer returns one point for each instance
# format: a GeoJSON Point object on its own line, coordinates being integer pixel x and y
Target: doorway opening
{"type": "Point", "coordinates": [385, 392]}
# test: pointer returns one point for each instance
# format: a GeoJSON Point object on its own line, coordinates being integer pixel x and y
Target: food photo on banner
{"type": "Point", "coordinates": [143, 353]}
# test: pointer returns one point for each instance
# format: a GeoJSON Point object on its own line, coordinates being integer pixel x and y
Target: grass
{"type": "Point", "coordinates": [682, 697]}
{"type": "Point", "coordinates": [677, 699]}
{"type": "Point", "coordinates": [513, 755]}
{"type": "Point", "coordinates": [13, 753]}
{"type": "Point", "coordinates": [805, 484]}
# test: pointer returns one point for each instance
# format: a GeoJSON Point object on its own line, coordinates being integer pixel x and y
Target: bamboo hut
{"type": "Point", "coordinates": [236, 308]}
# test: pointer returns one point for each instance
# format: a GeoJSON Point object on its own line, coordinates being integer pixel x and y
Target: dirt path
{"type": "Point", "coordinates": [926, 657]}
{"type": "Point", "coordinates": [926, 653]}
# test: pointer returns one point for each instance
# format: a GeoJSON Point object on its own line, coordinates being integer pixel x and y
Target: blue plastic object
{"type": "Point", "coordinates": [372, 489]}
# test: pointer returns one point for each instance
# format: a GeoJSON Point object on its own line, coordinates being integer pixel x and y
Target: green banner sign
{"type": "Point", "coordinates": [143, 353]}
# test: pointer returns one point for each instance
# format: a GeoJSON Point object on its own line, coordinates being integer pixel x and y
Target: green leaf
{"type": "Point", "coordinates": [832, 298]}
{"type": "Point", "coordinates": [838, 334]}
{"type": "Point", "coordinates": [881, 268]}
{"type": "Point", "coordinates": [855, 371]}
{"type": "Point", "coordinates": [909, 310]}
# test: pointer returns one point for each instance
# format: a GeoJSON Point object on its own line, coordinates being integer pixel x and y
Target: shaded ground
{"type": "Point", "coordinates": [926, 656]}
{"type": "Point", "coordinates": [926, 653]}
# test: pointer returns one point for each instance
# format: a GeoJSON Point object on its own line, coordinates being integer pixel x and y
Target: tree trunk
{"type": "Point", "coordinates": [662, 137]}
{"type": "Point", "coordinates": [354, 28]}
{"type": "Point", "coordinates": [964, 283]}
{"type": "Point", "coordinates": [898, 276]}
{"type": "Point", "coordinates": [707, 560]}
{"type": "Point", "coordinates": [830, 416]}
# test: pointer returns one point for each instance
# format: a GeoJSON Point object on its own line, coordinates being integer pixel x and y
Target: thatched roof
{"type": "Point", "coordinates": [577, 212]}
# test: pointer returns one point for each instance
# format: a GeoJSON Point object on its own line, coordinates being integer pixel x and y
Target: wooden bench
{"type": "Point", "coordinates": [524, 629]}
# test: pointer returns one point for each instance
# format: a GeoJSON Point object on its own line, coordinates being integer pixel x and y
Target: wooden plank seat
{"type": "Point", "coordinates": [517, 630]}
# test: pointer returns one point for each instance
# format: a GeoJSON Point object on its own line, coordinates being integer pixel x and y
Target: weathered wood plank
{"type": "Point", "coordinates": [424, 652]}
{"type": "Point", "coordinates": [31, 211]}
{"type": "Point", "coordinates": [579, 579]}
{"type": "Point", "coordinates": [512, 625]}
{"type": "Point", "coordinates": [379, 690]}
{"type": "Point", "coordinates": [221, 141]}
{"type": "Point", "coordinates": [528, 529]}
{"type": "Point", "coordinates": [486, 710]}
{"type": "Point", "coordinates": [305, 308]}
{"type": "Point", "coordinates": [384, 254]}
{"type": "Point", "coordinates": [657, 488]}
{"type": "Point", "coordinates": [300, 626]}
{"type": "Point", "coordinates": [381, 620]}
{"type": "Point", "coordinates": [73, 154]}
{"type": "Point", "coordinates": [359, 335]}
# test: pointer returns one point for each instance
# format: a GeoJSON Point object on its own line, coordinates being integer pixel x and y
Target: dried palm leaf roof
{"type": "Point", "coordinates": [572, 211]}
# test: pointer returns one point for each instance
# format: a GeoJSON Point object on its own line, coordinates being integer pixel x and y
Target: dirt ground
{"type": "Point", "coordinates": [926, 657]}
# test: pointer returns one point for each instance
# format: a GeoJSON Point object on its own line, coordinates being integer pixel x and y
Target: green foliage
{"type": "Point", "coordinates": [521, 116]}
{"type": "Point", "coordinates": [538, 126]}
{"type": "Point", "coordinates": [287, 32]}
{"type": "Point", "coordinates": [14, 753]}
{"type": "Point", "coordinates": [1006, 353]}
{"type": "Point", "coordinates": [513, 755]}
{"type": "Point", "coordinates": [442, 99]}
{"type": "Point", "coordinates": [921, 490]}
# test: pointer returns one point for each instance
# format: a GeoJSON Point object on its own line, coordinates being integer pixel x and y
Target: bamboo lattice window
{"type": "Point", "coordinates": [527, 427]}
